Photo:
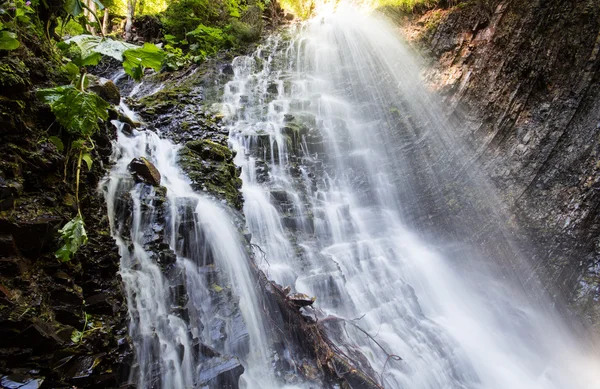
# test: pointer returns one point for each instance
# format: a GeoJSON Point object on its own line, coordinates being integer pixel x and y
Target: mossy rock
{"type": "Point", "coordinates": [208, 149]}
{"type": "Point", "coordinates": [210, 167]}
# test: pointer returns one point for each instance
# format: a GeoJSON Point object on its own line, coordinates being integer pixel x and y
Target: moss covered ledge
{"type": "Point", "coordinates": [210, 167]}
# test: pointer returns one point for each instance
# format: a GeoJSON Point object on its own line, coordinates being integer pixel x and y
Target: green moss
{"type": "Point", "coordinates": [210, 167]}
{"type": "Point", "coordinates": [13, 74]}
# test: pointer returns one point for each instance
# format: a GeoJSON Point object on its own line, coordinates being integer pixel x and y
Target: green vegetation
{"type": "Point", "coordinates": [14, 15]}
{"type": "Point", "coordinates": [191, 31]}
{"type": "Point", "coordinates": [80, 112]}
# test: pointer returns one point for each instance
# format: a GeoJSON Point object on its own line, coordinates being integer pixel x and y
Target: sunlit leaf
{"type": "Point", "coordinates": [148, 56]}
{"type": "Point", "coordinates": [73, 235]}
{"type": "Point", "coordinates": [89, 44]}
{"type": "Point", "coordinates": [88, 160]}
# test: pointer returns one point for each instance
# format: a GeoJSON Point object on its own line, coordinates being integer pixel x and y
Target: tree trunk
{"type": "Point", "coordinates": [90, 16]}
{"type": "Point", "coordinates": [130, 16]}
{"type": "Point", "coordinates": [105, 22]}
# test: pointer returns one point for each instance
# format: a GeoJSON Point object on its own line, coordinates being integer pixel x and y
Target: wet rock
{"type": "Point", "coordinates": [227, 69]}
{"type": "Point", "coordinates": [220, 373]}
{"type": "Point", "coordinates": [99, 304]}
{"type": "Point", "coordinates": [32, 237]}
{"type": "Point", "coordinates": [273, 88]}
{"type": "Point", "coordinates": [83, 367]}
{"type": "Point", "coordinates": [300, 300]}
{"type": "Point", "coordinates": [20, 382]}
{"type": "Point", "coordinates": [105, 88]}
{"type": "Point", "coordinates": [144, 171]}
{"type": "Point", "coordinates": [210, 150]}
{"type": "Point", "coordinates": [9, 191]}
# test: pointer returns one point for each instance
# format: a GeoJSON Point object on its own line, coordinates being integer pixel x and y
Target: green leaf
{"type": "Point", "coordinates": [99, 5]}
{"type": "Point", "coordinates": [8, 40]}
{"type": "Point", "coordinates": [91, 60]}
{"type": "Point", "coordinates": [88, 160]}
{"type": "Point", "coordinates": [73, 236]}
{"type": "Point", "coordinates": [78, 112]}
{"type": "Point", "coordinates": [148, 56]}
{"type": "Point", "coordinates": [78, 144]}
{"type": "Point", "coordinates": [89, 44]}
{"type": "Point", "coordinates": [73, 7]}
{"type": "Point", "coordinates": [56, 141]}
{"type": "Point", "coordinates": [71, 69]}
{"type": "Point", "coordinates": [76, 336]}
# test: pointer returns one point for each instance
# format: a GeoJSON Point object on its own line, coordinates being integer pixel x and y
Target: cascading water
{"type": "Point", "coordinates": [349, 174]}
{"type": "Point", "coordinates": [182, 261]}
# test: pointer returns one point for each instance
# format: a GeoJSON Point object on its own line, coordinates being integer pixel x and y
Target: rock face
{"type": "Point", "coordinates": [144, 171]}
{"type": "Point", "coordinates": [222, 372]}
{"type": "Point", "coordinates": [42, 301]}
{"type": "Point", "coordinates": [522, 79]}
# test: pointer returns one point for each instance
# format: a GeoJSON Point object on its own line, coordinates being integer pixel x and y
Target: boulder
{"type": "Point", "coordinates": [105, 88]}
{"type": "Point", "coordinates": [144, 171]}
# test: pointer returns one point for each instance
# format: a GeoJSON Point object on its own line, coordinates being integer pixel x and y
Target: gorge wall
{"type": "Point", "coordinates": [521, 81]}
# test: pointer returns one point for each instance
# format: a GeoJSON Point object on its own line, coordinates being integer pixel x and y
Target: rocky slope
{"type": "Point", "coordinates": [522, 81]}
{"type": "Point", "coordinates": [44, 303]}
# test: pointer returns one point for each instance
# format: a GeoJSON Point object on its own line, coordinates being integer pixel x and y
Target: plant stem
{"type": "Point", "coordinates": [77, 181]}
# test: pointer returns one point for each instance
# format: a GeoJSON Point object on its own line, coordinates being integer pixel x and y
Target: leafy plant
{"type": "Point", "coordinates": [77, 336]}
{"type": "Point", "coordinates": [74, 236]}
{"type": "Point", "coordinates": [148, 56]}
{"type": "Point", "coordinates": [75, 8]}
{"type": "Point", "coordinates": [76, 110]}
{"type": "Point", "coordinates": [207, 41]}
{"type": "Point", "coordinates": [80, 112]}
{"type": "Point", "coordinates": [13, 15]}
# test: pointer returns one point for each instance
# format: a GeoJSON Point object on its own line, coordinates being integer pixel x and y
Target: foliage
{"type": "Point", "coordinates": [77, 336]}
{"type": "Point", "coordinates": [301, 8]}
{"type": "Point", "coordinates": [75, 10]}
{"type": "Point", "coordinates": [8, 40]}
{"type": "Point", "coordinates": [76, 7]}
{"type": "Point", "coordinates": [207, 41]}
{"type": "Point", "coordinates": [144, 7]}
{"type": "Point", "coordinates": [184, 16]}
{"type": "Point", "coordinates": [93, 45]}
{"type": "Point", "coordinates": [148, 56]}
{"type": "Point", "coordinates": [13, 15]}
{"type": "Point", "coordinates": [77, 111]}
{"type": "Point", "coordinates": [70, 28]}
{"type": "Point", "coordinates": [73, 235]}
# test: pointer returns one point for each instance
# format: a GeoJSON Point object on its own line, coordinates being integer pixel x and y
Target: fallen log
{"type": "Point", "coordinates": [307, 333]}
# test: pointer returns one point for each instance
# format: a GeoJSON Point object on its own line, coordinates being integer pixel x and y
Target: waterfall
{"type": "Point", "coordinates": [360, 193]}
{"type": "Point", "coordinates": [183, 264]}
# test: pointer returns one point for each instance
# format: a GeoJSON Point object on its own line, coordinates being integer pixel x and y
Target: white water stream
{"type": "Point", "coordinates": [170, 304]}
{"type": "Point", "coordinates": [342, 151]}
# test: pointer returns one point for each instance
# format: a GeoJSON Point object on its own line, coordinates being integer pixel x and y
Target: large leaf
{"type": "Point", "coordinates": [75, 7]}
{"type": "Point", "coordinates": [78, 112]}
{"type": "Point", "coordinates": [8, 40]}
{"type": "Point", "coordinates": [90, 45]}
{"type": "Point", "coordinates": [73, 236]}
{"type": "Point", "coordinates": [148, 56]}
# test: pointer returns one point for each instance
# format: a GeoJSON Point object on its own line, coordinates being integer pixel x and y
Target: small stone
{"type": "Point", "coordinates": [301, 300]}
